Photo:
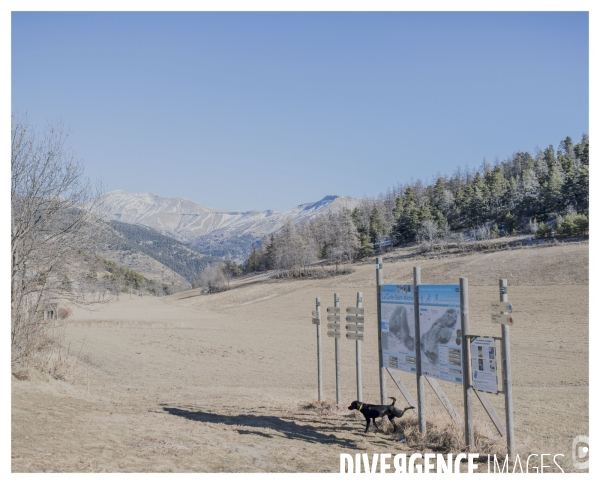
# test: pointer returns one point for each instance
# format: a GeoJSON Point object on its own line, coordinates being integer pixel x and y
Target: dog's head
{"type": "Point", "coordinates": [354, 405]}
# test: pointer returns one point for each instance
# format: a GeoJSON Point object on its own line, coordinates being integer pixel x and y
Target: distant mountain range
{"type": "Point", "coordinates": [211, 231]}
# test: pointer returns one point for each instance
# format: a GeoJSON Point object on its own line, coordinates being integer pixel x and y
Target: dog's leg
{"type": "Point", "coordinates": [375, 423]}
{"type": "Point", "coordinates": [368, 422]}
{"type": "Point", "coordinates": [391, 417]}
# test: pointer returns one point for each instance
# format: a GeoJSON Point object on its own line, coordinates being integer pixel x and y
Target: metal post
{"type": "Point", "coordinates": [382, 382]}
{"type": "Point", "coordinates": [420, 376]}
{"type": "Point", "coordinates": [319, 353]}
{"type": "Point", "coordinates": [338, 375]}
{"type": "Point", "coordinates": [507, 376]}
{"type": "Point", "coordinates": [466, 361]}
{"type": "Point", "coordinates": [359, 355]}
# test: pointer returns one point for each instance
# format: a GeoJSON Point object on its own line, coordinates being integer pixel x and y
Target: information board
{"type": "Point", "coordinates": [398, 327]}
{"type": "Point", "coordinates": [483, 364]}
{"type": "Point", "coordinates": [440, 331]}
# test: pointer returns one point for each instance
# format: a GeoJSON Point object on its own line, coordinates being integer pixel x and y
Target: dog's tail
{"type": "Point", "coordinates": [407, 408]}
{"type": "Point", "coordinates": [393, 401]}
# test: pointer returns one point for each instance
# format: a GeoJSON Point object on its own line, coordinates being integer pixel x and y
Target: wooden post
{"type": "Point", "coordinates": [359, 355]}
{"type": "Point", "coordinates": [507, 376]}
{"type": "Point", "coordinates": [420, 376]}
{"type": "Point", "coordinates": [466, 363]}
{"type": "Point", "coordinates": [382, 382]}
{"type": "Point", "coordinates": [319, 353]}
{"type": "Point", "coordinates": [338, 375]}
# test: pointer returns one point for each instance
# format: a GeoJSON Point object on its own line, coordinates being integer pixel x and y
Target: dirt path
{"type": "Point", "coordinates": [224, 382]}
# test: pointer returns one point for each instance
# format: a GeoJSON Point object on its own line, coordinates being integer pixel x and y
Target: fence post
{"type": "Point", "coordinates": [359, 355]}
{"type": "Point", "coordinates": [382, 382]}
{"type": "Point", "coordinates": [420, 377]}
{"type": "Point", "coordinates": [507, 374]}
{"type": "Point", "coordinates": [319, 353]}
{"type": "Point", "coordinates": [338, 375]}
{"type": "Point", "coordinates": [466, 363]}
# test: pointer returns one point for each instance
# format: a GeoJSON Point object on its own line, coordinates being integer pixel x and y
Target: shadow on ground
{"type": "Point", "coordinates": [289, 429]}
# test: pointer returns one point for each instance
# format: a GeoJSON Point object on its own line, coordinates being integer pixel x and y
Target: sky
{"type": "Point", "coordinates": [268, 110]}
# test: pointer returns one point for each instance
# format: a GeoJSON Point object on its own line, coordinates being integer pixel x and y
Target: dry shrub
{"type": "Point", "coordinates": [48, 356]}
{"type": "Point", "coordinates": [64, 313]}
{"type": "Point", "coordinates": [324, 407]}
{"type": "Point", "coordinates": [449, 437]}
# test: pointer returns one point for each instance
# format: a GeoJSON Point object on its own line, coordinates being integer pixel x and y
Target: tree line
{"type": "Point", "coordinates": [546, 193]}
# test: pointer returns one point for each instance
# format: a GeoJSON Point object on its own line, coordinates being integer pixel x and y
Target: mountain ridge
{"type": "Point", "coordinates": [209, 230]}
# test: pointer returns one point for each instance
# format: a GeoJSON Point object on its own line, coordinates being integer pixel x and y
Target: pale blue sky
{"type": "Point", "coordinates": [244, 111]}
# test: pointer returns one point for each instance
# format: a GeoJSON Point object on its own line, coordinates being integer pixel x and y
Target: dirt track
{"type": "Point", "coordinates": [220, 383]}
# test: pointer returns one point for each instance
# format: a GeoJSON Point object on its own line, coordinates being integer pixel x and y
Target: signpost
{"type": "Point", "coordinates": [335, 311]}
{"type": "Point", "coordinates": [357, 315]}
{"type": "Point", "coordinates": [317, 321]}
{"type": "Point", "coordinates": [507, 375]}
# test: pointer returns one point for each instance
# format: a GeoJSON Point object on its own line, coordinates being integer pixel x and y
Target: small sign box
{"type": "Point", "coordinates": [333, 334]}
{"type": "Point", "coordinates": [355, 327]}
{"type": "Point", "coordinates": [355, 310]}
{"type": "Point", "coordinates": [335, 327]}
{"type": "Point", "coordinates": [316, 321]}
{"type": "Point", "coordinates": [503, 307]}
{"type": "Point", "coordinates": [315, 314]}
{"type": "Point", "coordinates": [503, 319]}
{"type": "Point", "coordinates": [333, 310]}
{"type": "Point", "coordinates": [484, 364]}
{"type": "Point", "coordinates": [358, 336]}
{"type": "Point", "coordinates": [334, 318]}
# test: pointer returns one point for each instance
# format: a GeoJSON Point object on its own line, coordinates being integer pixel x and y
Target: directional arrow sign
{"type": "Point", "coordinates": [504, 307]}
{"type": "Point", "coordinates": [316, 321]}
{"type": "Point", "coordinates": [503, 319]}
{"type": "Point", "coordinates": [333, 310]}
{"type": "Point", "coordinates": [355, 327]}
{"type": "Point", "coordinates": [333, 326]}
{"type": "Point", "coordinates": [334, 318]}
{"type": "Point", "coordinates": [355, 310]}
{"type": "Point", "coordinates": [355, 319]}
{"type": "Point", "coordinates": [358, 336]}
{"type": "Point", "coordinates": [333, 334]}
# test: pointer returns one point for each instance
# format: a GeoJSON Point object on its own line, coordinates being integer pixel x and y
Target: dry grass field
{"type": "Point", "coordinates": [228, 382]}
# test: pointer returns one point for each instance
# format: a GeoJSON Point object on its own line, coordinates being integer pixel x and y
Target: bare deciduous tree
{"type": "Point", "coordinates": [54, 224]}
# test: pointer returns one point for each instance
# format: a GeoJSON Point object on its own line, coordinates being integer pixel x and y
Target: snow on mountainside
{"type": "Point", "coordinates": [212, 231]}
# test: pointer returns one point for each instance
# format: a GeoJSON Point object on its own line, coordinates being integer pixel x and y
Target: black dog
{"type": "Point", "coordinates": [371, 412]}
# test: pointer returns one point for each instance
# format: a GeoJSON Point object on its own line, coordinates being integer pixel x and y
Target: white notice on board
{"type": "Point", "coordinates": [483, 365]}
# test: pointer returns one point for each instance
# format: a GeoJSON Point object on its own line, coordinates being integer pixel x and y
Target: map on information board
{"type": "Point", "coordinates": [398, 327]}
{"type": "Point", "coordinates": [483, 364]}
{"type": "Point", "coordinates": [440, 331]}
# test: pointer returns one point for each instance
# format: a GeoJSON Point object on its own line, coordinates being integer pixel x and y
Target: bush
{"type": "Point", "coordinates": [572, 224]}
{"type": "Point", "coordinates": [64, 313]}
{"type": "Point", "coordinates": [582, 223]}
{"type": "Point", "coordinates": [543, 230]}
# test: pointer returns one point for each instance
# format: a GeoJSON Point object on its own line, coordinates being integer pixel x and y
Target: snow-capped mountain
{"type": "Point", "coordinates": [215, 232]}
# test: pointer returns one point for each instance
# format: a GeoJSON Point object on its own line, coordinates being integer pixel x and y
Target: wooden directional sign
{"type": "Point", "coordinates": [503, 319]}
{"type": "Point", "coordinates": [335, 327]}
{"type": "Point", "coordinates": [333, 318]}
{"type": "Point", "coordinates": [333, 334]}
{"type": "Point", "coordinates": [316, 321]}
{"type": "Point", "coordinates": [355, 310]}
{"type": "Point", "coordinates": [503, 307]}
{"type": "Point", "coordinates": [355, 319]}
{"type": "Point", "coordinates": [355, 327]}
{"type": "Point", "coordinates": [333, 310]}
{"type": "Point", "coordinates": [358, 336]}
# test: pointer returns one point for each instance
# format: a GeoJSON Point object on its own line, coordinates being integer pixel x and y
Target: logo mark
{"type": "Point", "coordinates": [580, 452]}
